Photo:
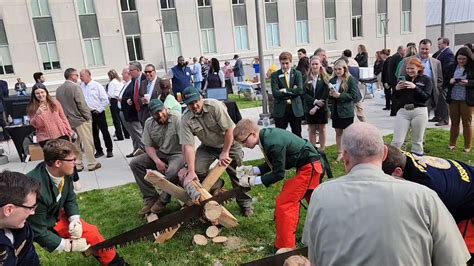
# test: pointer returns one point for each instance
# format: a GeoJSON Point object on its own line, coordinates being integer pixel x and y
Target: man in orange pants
{"type": "Point", "coordinates": [282, 150]}
{"type": "Point", "coordinates": [56, 224]}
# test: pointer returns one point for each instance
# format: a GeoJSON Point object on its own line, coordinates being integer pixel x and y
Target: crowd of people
{"type": "Point", "coordinates": [163, 115]}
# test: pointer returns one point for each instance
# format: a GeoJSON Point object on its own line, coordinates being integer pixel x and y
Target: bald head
{"type": "Point", "coordinates": [362, 143]}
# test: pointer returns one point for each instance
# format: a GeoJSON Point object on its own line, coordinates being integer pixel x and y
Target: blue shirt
{"type": "Point", "coordinates": [426, 63]}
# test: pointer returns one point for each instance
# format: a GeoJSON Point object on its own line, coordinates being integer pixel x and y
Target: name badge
{"type": "Point", "coordinates": [281, 76]}
{"type": "Point", "coordinates": [187, 73]}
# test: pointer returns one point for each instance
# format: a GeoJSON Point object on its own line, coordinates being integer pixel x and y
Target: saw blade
{"type": "Point", "coordinates": [172, 220]}
{"type": "Point", "coordinates": [278, 259]}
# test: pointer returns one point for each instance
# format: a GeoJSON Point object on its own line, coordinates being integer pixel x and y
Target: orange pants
{"type": "Point", "coordinates": [467, 231]}
{"type": "Point", "coordinates": [287, 204]}
{"type": "Point", "coordinates": [90, 233]}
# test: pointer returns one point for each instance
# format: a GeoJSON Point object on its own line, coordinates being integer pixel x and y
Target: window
{"type": "Point", "coordinates": [206, 24]}
{"type": "Point", "coordinates": [271, 16]}
{"type": "Point", "coordinates": [382, 22]}
{"type": "Point", "coordinates": [170, 28]}
{"type": "Point", "coordinates": [356, 18]}
{"type": "Point", "coordinates": [406, 15]}
{"type": "Point", "coordinates": [330, 19]}
{"type": "Point", "coordinates": [240, 24]}
{"type": "Point", "coordinates": [90, 32]}
{"type": "Point", "coordinates": [302, 22]}
{"type": "Point", "coordinates": [128, 5]}
{"type": "Point", "coordinates": [45, 35]}
{"type": "Point", "coordinates": [6, 66]}
{"type": "Point", "coordinates": [131, 27]}
{"type": "Point", "coordinates": [134, 47]}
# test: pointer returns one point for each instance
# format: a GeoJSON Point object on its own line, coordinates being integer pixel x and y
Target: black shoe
{"type": "Point", "coordinates": [434, 119]}
{"type": "Point", "coordinates": [127, 137]}
{"type": "Point", "coordinates": [110, 154]}
{"type": "Point", "coordinates": [98, 154]}
{"type": "Point", "coordinates": [441, 123]}
{"type": "Point", "coordinates": [386, 109]}
{"type": "Point", "coordinates": [247, 212]}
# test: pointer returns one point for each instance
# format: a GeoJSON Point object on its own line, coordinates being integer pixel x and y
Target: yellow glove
{"type": "Point", "coordinates": [76, 245]}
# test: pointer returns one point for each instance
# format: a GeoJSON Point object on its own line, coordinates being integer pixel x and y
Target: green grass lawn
{"type": "Point", "coordinates": [114, 211]}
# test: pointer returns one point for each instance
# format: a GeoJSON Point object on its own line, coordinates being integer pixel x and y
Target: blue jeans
{"type": "Point", "coordinates": [239, 79]}
{"type": "Point", "coordinates": [197, 85]}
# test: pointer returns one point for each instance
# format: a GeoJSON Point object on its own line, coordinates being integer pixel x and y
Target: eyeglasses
{"type": "Point", "coordinates": [68, 160]}
{"type": "Point", "coordinates": [246, 138]}
{"type": "Point", "coordinates": [148, 71]}
{"type": "Point", "coordinates": [30, 208]}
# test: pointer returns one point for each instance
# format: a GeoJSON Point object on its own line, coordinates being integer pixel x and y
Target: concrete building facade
{"type": "Point", "coordinates": [51, 35]}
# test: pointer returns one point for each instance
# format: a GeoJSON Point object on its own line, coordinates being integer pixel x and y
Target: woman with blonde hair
{"type": "Point", "coordinates": [315, 95]}
{"type": "Point", "coordinates": [113, 90]}
{"type": "Point", "coordinates": [342, 96]}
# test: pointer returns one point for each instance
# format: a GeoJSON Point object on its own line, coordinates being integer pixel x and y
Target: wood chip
{"type": "Point", "coordinates": [219, 239]}
{"type": "Point", "coordinates": [212, 231]}
{"type": "Point", "coordinates": [199, 240]}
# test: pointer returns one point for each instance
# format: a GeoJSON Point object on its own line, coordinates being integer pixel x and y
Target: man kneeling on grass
{"type": "Point", "coordinates": [56, 222]}
{"type": "Point", "coordinates": [282, 150]}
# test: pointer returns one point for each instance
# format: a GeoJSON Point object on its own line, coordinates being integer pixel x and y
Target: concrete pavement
{"type": "Point", "coordinates": [115, 171]}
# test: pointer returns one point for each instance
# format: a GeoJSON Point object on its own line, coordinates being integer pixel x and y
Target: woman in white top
{"type": "Point", "coordinates": [113, 90]}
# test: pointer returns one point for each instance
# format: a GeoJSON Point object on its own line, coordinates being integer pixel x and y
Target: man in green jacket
{"type": "Point", "coordinates": [282, 150]}
{"type": "Point", "coordinates": [287, 88]}
{"type": "Point", "coordinates": [56, 224]}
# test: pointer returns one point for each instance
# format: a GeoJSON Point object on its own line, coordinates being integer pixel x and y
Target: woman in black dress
{"type": "Point", "coordinates": [316, 93]}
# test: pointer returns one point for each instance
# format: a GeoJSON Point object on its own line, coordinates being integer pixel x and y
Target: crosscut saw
{"type": "Point", "coordinates": [277, 259]}
{"type": "Point", "coordinates": [170, 221]}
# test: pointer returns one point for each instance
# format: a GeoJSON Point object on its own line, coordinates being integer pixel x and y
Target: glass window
{"type": "Point", "coordinates": [40, 8]}
{"type": "Point", "coordinates": [301, 10]}
{"type": "Point", "coordinates": [86, 7]}
{"type": "Point", "coordinates": [3, 34]}
{"type": "Point", "coordinates": [205, 18]}
{"type": "Point", "coordinates": [382, 6]}
{"type": "Point", "coordinates": [356, 7]}
{"type": "Point", "coordinates": [94, 52]}
{"type": "Point", "coordinates": [204, 3]}
{"type": "Point", "coordinates": [172, 45]}
{"type": "Point", "coordinates": [329, 8]}
{"type": "Point", "coordinates": [130, 23]}
{"type": "Point", "coordinates": [49, 55]}
{"type": "Point", "coordinates": [406, 21]}
{"type": "Point", "coordinates": [302, 32]}
{"type": "Point", "coordinates": [382, 24]}
{"type": "Point", "coordinates": [167, 4]}
{"type": "Point", "coordinates": [330, 29]}
{"type": "Point", "coordinates": [357, 26]}
{"type": "Point", "coordinates": [271, 12]}
{"type": "Point", "coordinates": [134, 47]}
{"type": "Point", "coordinates": [208, 41]}
{"type": "Point", "coordinates": [273, 37]}
{"type": "Point", "coordinates": [240, 15]}
{"type": "Point", "coordinates": [89, 26]}
{"type": "Point", "coordinates": [170, 20]}
{"type": "Point", "coordinates": [6, 66]}
{"type": "Point", "coordinates": [44, 29]}
{"type": "Point", "coordinates": [238, 2]}
{"type": "Point", "coordinates": [128, 5]}
{"type": "Point", "coordinates": [241, 38]}
{"type": "Point", "coordinates": [406, 5]}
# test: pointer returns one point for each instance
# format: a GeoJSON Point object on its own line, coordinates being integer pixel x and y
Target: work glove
{"type": "Point", "coordinates": [244, 170]}
{"type": "Point", "coordinates": [313, 110]}
{"type": "Point", "coordinates": [75, 229]}
{"type": "Point", "coordinates": [247, 181]}
{"type": "Point", "coordinates": [193, 193]}
{"type": "Point", "coordinates": [76, 245]}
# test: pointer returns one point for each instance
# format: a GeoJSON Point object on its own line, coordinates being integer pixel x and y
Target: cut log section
{"type": "Point", "coordinates": [219, 239]}
{"type": "Point", "coordinates": [213, 176]}
{"type": "Point", "coordinates": [212, 231]}
{"type": "Point", "coordinates": [212, 210]}
{"type": "Point", "coordinates": [199, 240]}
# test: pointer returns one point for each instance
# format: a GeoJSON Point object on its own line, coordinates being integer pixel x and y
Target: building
{"type": "Point", "coordinates": [51, 35]}
{"type": "Point", "coordinates": [459, 22]}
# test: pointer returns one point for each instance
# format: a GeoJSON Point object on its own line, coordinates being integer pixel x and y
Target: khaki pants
{"type": "Point", "coordinates": [359, 110]}
{"type": "Point", "coordinates": [460, 111]}
{"type": "Point", "coordinates": [416, 120]}
{"type": "Point", "coordinates": [84, 133]}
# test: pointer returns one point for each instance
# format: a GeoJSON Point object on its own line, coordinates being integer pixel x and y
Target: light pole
{"type": "Point", "coordinates": [160, 23]}
{"type": "Point", "coordinates": [265, 113]}
{"type": "Point", "coordinates": [385, 26]}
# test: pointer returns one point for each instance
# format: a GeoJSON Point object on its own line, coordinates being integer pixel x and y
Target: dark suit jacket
{"type": "Point", "coordinates": [144, 112]}
{"type": "Point", "coordinates": [446, 57]}
{"type": "Point", "coordinates": [129, 111]}
{"type": "Point", "coordinates": [293, 93]}
{"type": "Point", "coordinates": [392, 64]}
{"type": "Point", "coordinates": [3, 93]}
{"type": "Point", "coordinates": [345, 102]}
{"type": "Point", "coordinates": [362, 59]}
{"type": "Point", "coordinates": [321, 93]}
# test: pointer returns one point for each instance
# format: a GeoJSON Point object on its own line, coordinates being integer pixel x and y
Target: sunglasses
{"type": "Point", "coordinates": [148, 71]}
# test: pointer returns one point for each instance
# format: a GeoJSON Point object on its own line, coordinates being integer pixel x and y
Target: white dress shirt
{"type": "Point", "coordinates": [95, 95]}
{"type": "Point", "coordinates": [113, 90]}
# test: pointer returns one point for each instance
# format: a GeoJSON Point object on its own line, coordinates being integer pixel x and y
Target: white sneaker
{"type": "Point", "coordinates": [77, 186]}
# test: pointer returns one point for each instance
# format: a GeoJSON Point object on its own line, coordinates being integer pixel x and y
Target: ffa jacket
{"type": "Point", "coordinates": [293, 93]}
{"type": "Point", "coordinates": [450, 179]}
{"type": "Point", "coordinates": [283, 150]}
{"type": "Point", "coordinates": [50, 203]}
{"type": "Point", "coordinates": [321, 92]}
{"type": "Point", "coordinates": [22, 251]}
{"type": "Point", "coordinates": [345, 102]}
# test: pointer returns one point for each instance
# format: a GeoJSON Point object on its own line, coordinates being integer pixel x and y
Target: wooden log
{"type": "Point", "coordinates": [157, 179]}
{"type": "Point", "coordinates": [212, 210]}
{"type": "Point", "coordinates": [167, 235]}
{"type": "Point", "coordinates": [213, 176]}
{"type": "Point", "coordinates": [219, 239]}
{"type": "Point", "coordinates": [199, 240]}
{"type": "Point", "coordinates": [212, 231]}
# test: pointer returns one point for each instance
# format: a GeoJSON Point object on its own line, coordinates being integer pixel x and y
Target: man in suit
{"type": "Point", "coordinates": [78, 113]}
{"type": "Point", "coordinates": [238, 68]}
{"type": "Point", "coordinates": [446, 57]}
{"type": "Point", "coordinates": [3, 94]}
{"type": "Point", "coordinates": [303, 62]}
{"type": "Point", "coordinates": [432, 69]}
{"type": "Point", "coordinates": [130, 104]}
{"type": "Point", "coordinates": [150, 87]}
{"type": "Point", "coordinates": [287, 88]}
{"type": "Point", "coordinates": [389, 79]}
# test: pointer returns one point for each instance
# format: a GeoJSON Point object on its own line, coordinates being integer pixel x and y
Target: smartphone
{"type": "Point", "coordinates": [401, 78]}
{"type": "Point", "coordinates": [458, 80]}
{"type": "Point", "coordinates": [332, 87]}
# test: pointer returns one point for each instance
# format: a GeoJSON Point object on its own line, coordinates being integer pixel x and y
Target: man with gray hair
{"type": "Point", "coordinates": [370, 218]}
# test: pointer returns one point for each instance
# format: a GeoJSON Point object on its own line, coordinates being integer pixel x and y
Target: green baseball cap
{"type": "Point", "coordinates": [155, 106]}
{"type": "Point", "coordinates": [190, 94]}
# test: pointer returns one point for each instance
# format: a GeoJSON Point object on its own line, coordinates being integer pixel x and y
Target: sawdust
{"type": "Point", "coordinates": [234, 242]}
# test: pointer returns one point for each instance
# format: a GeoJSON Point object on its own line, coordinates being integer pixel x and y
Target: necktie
{"type": "Point", "coordinates": [135, 96]}
{"type": "Point", "coordinates": [287, 80]}
{"type": "Point", "coordinates": [148, 86]}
